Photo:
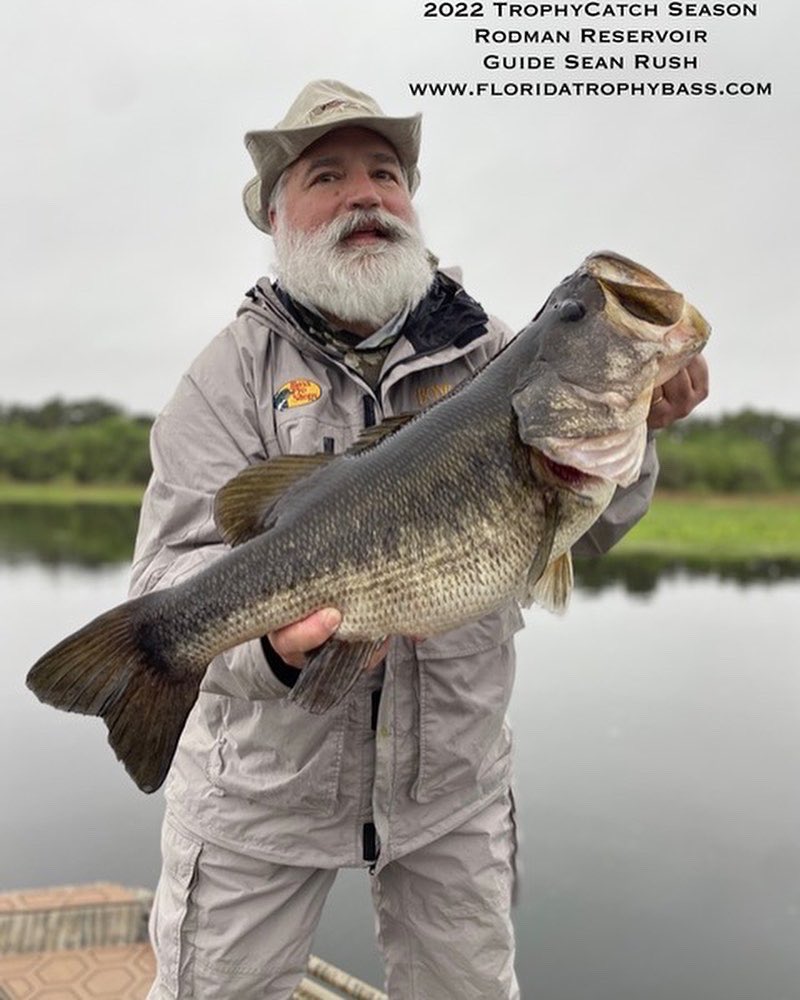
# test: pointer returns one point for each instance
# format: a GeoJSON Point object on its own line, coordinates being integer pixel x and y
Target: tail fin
{"type": "Point", "coordinates": [116, 668]}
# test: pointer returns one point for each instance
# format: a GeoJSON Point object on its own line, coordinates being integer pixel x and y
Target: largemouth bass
{"type": "Point", "coordinates": [427, 523]}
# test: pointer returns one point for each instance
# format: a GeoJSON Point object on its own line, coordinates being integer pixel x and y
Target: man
{"type": "Point", "coordinates": [409, 776]}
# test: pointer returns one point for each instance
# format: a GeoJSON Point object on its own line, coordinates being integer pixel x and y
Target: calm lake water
{"type": "Point", "coordinates": [657, 779]}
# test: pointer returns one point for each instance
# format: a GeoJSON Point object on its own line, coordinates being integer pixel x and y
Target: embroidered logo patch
{"type": "Point", "coordinates": [296, 392]}
{"type": "Point", "coordinates": [427, 394]}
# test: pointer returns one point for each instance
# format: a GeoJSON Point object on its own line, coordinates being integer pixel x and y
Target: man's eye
{"type": "Point", "coordinates": [323, 178]}
{"type": "Point", "coordinates": [386, 175]}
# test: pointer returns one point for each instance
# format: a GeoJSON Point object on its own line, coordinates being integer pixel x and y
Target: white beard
{"type": "Point", "coordinates": [367, 284]}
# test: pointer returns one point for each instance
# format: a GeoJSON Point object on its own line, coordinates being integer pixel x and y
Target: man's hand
{"type": "Point", "coordinates": [678, 396]}
{"type": "Point", "coordinates": [293, 642]}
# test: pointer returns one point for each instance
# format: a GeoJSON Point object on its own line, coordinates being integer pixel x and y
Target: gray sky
{"type": "Point", "coordinates": [124, 247]}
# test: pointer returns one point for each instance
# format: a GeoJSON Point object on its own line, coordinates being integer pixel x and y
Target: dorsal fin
{"type": "Point", "coordinates": [369, 437]}
{"type": "Point", "coordinates": [242, 506]}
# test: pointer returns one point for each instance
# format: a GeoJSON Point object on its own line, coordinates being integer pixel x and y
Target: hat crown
{"type": "Point", "coordinates": [325, 101]}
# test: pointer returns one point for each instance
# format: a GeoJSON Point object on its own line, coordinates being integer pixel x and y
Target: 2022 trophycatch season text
{"type": "Point", "coordinates": [674, 8]}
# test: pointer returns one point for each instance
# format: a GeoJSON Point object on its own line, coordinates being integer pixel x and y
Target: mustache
{"type": "Point", "coordinates": [389, 226]}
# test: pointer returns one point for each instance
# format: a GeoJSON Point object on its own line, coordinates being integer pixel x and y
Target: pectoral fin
{"type": "Point", "coordinates": [243, 505]}
{"type": "Point", "coordinates": [330, 673]}
{"type": "Point", "coordinates": [553, 588]}
{"type": "Point", "coordinates": [542, 556]}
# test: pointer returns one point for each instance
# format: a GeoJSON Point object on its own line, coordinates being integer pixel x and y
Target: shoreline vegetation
{"type": "Point", "coordinates": [729, 486]}
{"type": "Point", "coordinates": [679, 525]}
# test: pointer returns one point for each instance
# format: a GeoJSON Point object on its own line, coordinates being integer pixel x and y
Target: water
{"type": "Point", "coordinates": [657, 767]}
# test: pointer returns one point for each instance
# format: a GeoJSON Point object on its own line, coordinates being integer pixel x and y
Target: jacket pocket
{"type": "Point", "coordinates": [465, 682]}
{"type": "Point", "coordinates": [308, 434]}
{"type": "Point", "coordinates": [278, 754]}
{"type": "Point", "coordinates": [169, 919]}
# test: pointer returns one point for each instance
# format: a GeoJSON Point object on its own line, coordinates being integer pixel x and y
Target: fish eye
{"type": "Point", "coordinates": [571, 310]}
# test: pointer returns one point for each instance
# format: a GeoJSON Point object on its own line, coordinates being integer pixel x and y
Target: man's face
{"type": "Point", "coordinates": [347, 169]}
{"type": "Point", "coordinates": [346, 237]}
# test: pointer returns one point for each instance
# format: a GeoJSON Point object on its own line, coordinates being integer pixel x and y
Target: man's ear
{"type": "Point", "coordinates": [272, 215]}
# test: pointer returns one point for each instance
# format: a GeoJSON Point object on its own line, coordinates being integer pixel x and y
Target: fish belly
{"type": "Point", "coordinates": [454, 580]}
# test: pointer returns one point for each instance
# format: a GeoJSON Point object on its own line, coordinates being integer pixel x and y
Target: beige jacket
{"type": "Point", "coordinates": [253, 772]}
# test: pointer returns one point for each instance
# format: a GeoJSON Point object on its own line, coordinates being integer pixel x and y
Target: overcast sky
{"type": "Point", "coordinates": [124, 247]}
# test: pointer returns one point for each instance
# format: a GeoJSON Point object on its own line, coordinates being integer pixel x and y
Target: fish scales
{"type": "Point", "coordinates": [473, 503]}
{"type": "Point", "coordinates": [393, 524]}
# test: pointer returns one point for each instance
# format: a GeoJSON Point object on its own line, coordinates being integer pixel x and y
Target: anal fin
{"type": "Point", "coordinates": [330, 673]}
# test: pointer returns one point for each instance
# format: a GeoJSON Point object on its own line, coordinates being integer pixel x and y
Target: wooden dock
{"type": "Point", "coordinates": [89, 942]}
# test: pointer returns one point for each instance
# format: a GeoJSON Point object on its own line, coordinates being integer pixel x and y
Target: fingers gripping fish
{"type": "Point", "coordinates": [427, 523]}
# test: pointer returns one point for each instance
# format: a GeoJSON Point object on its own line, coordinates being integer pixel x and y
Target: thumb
{"type": "Point", "coordinates": [293, 641]}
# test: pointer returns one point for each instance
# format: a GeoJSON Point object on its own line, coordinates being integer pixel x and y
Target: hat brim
{"type": "Point", "coordinates": [273, 150]}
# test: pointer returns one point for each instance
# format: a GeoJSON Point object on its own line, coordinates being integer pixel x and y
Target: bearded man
{"type": "Point", "coordinates": [409, 776]}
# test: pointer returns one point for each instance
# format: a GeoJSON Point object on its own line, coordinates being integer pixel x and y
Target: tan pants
{"type": "Point", "coordinates": [228, 927]}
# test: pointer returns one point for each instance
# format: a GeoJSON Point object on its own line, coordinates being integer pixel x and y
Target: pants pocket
{"type": "Point", "coordinates": [170, 922]}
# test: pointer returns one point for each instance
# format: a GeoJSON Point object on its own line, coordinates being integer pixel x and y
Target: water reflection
{"type": "Point", "coordinates": [95, 535]}
{"type": "Point", "coordinates": [73, 534]}
{"type": "Point", "coordinates": [656, 760]}
{"type": "Point", "coordinates": [641, 574]}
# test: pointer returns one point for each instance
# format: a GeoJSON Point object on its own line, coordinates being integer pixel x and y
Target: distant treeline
{"type": "Point", "coordinates": [93, 441]}
{"type": "Point", "coordinates": [89, 441]}
{"type": "Point", "coordinates": [746, 452]}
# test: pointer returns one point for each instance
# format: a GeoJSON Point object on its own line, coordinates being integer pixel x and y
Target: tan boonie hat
{"type": "Point", "coordinates": [322, 106]}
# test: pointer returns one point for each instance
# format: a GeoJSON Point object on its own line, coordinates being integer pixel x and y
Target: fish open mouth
{"type": "Point", "coordinates": [644, 304]}
{"type": "Point", "coordinates": [560, 475]}
{"type": "Point", "coordinates": [637, 290]}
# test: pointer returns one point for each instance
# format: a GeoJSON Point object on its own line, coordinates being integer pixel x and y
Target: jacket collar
{"type": "Point", "coordinates": [446, 316]}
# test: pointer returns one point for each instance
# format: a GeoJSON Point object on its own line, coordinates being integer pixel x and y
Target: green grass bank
{"type": "Point", "coordinates": [67, 494]}
{"type": "Point", "coordinates": [764, 526]}
{"type": "Point", "coordinates": [682, 526]}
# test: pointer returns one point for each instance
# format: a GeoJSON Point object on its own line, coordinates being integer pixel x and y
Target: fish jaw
{"type": "Point", "coordinates": [585, 408]}
{"type": "Point", "coordinates": [642, 304]}
{"type": "Point", "coordinates": [687, 338]}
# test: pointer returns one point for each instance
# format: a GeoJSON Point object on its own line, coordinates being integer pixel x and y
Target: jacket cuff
{"type": "Point", "coordinates": [285, 673]}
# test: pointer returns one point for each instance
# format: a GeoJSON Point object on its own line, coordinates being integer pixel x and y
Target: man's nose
{"type": "Point", "coordinates": [363, 192]}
